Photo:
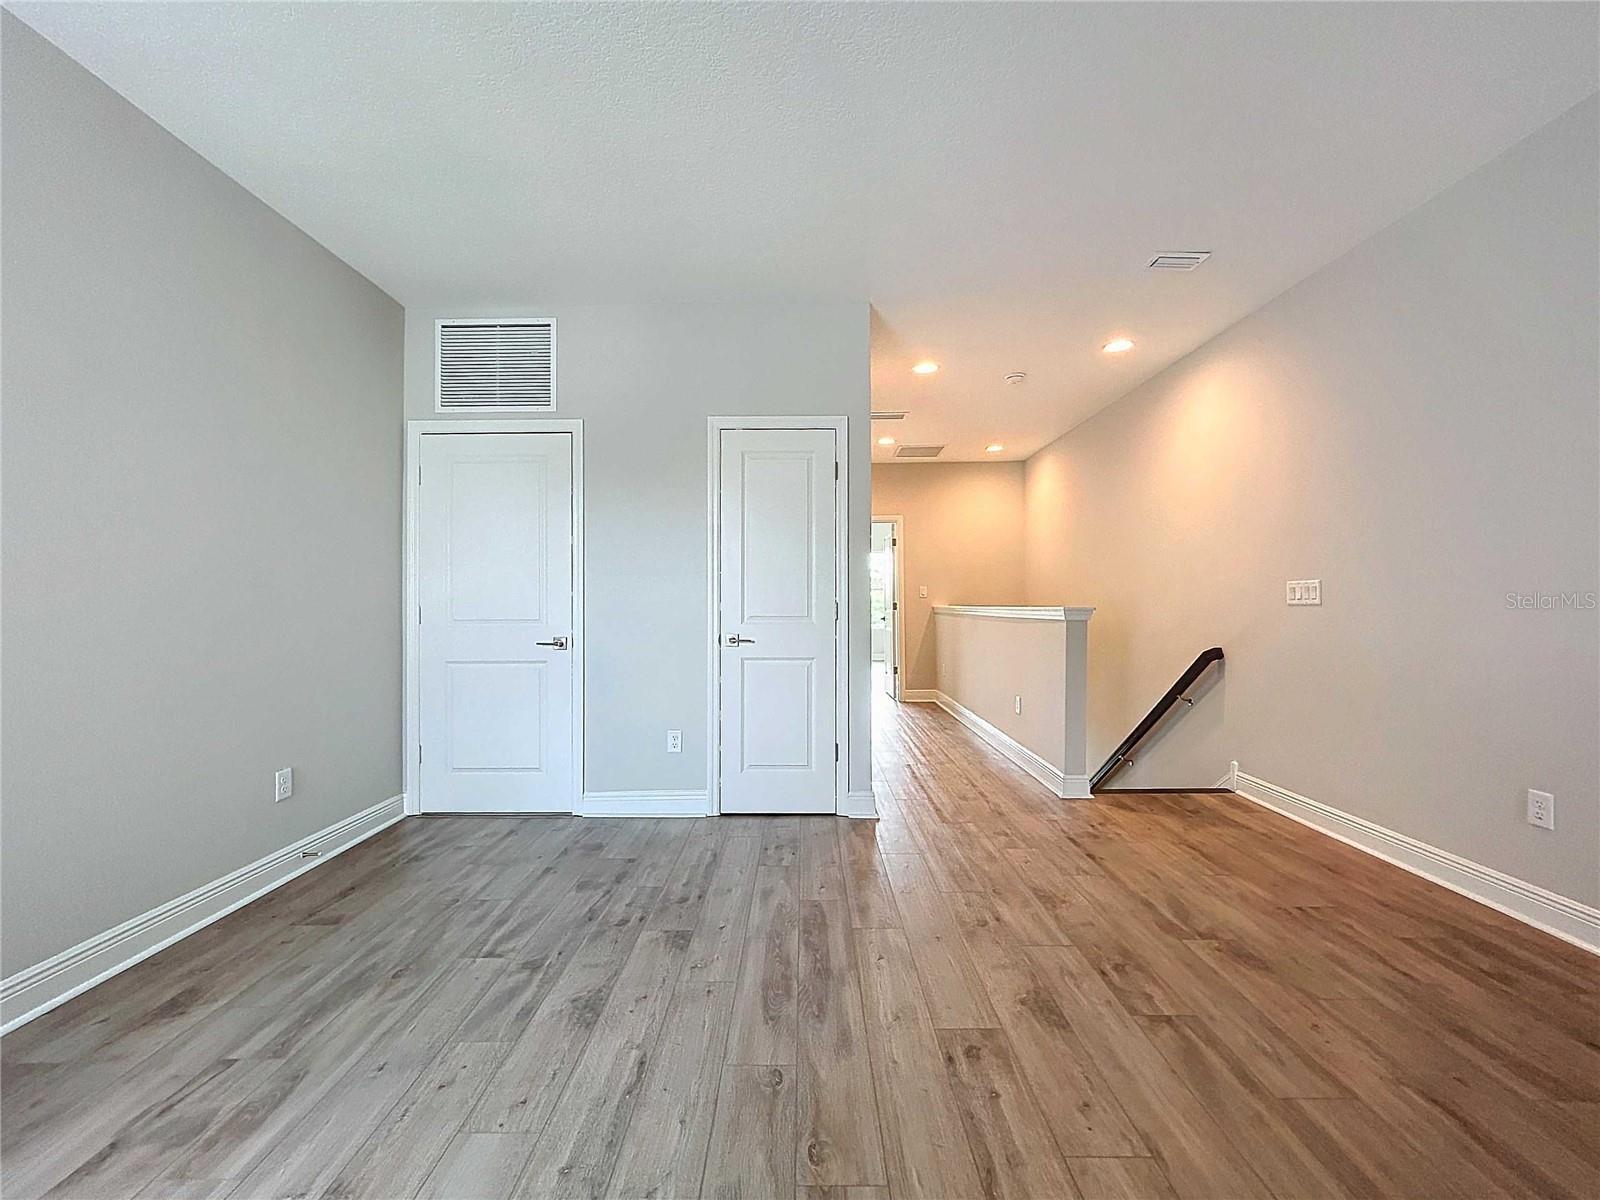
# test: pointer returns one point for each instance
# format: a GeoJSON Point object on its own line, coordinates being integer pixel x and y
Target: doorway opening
{"type": "Point", "coordinates": [883, 575]}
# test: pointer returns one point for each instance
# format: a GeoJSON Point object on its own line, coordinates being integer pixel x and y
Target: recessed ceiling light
{"type": "Point", "coordinates": [994, 448]}
{"type": "Point", "coordinates": [1119, 345]}
{"type": "Point", "coordinates": [886, 441]}
{"type": "Point", "coordinates": [925, 367]}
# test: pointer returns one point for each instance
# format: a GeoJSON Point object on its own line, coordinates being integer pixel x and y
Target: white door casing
{"type": "Point", "coordinates": [778, 594]}
{"type": "Point", "coordinates": [496, 633]}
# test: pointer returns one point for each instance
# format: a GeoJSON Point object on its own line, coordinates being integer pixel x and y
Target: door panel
{"type": "Point", "coordinates": [777, 545]}
{"type": "Point", "coordinates": [494, 525]}
{"type": "Point", "coordinates": [497, 538]}
{"type": "Point", "coordinates": [776, 685]}
{"type": "Point", "coordinates": [494, 708]}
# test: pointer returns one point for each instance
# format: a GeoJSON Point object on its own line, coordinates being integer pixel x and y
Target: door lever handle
{"type": "Point", "coordinates": [559, 643]}
{"type": "Point", "coordinates": [735, 640]}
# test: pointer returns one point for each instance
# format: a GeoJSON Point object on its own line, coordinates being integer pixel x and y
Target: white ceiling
{"type": "Point", "coordinates": [993, 178]}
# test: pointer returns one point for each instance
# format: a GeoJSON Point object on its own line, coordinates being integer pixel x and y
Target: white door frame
{"type": "Point", "coordinates": [841, 640]}
{"type": "Point", "coordinates": [411, 734]}
{"type": "Point", "coordinates": [899, 597]}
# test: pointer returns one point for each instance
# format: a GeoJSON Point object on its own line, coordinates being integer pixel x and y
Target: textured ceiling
{"type": "Point", "coordinates": [991, 177]}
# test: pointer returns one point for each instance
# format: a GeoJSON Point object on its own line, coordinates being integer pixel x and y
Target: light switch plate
{"type": "Point", "coordinates": [922, 592]}
{"type": "Point", "coordinates": [1304, 591]}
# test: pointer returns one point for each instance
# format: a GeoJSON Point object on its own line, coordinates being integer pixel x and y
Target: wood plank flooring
{"type": "Point", "coordinates": [988, 993]}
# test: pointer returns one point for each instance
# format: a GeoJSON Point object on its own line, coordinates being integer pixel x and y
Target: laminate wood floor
{"type": "Point", "coordinates": [989, 992]}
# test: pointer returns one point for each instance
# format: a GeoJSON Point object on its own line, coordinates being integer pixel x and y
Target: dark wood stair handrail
{"type": "Point", "coordinates": [1120, 755]}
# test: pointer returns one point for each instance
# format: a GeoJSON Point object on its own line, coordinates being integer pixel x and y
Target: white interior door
{"type": "Point", "coordinates": [494, 578]}
{"type": "Point", "coordinates": [779, 615]}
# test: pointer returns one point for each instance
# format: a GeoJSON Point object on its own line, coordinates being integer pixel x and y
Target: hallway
{"type": "Point", "coordinates": [989, 992]}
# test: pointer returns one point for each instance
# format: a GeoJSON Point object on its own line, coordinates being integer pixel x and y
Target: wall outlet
{"type": "Point", "coordinates": [1017, 705]}
{"type": "Point", "coordinates": [1541, 809]}
{"type": "Point", "coordinates": [674, 741]}
{"type": "Point", "coordinates": [283, 785]}
{"type": "Point", "coordinates": [1304, 591]}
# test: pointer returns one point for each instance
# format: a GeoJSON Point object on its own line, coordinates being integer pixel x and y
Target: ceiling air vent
{"type": "Point", "coordinates": [1179, 260]}
{"type": "Point", "coordinates": [919, 452]}
{"type": "Point", "coordinates": [883, 414]}
{"type": "Point", "coordinates": [497, 366]}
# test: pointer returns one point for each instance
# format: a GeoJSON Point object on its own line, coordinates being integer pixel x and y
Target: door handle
{"type": "Point", "coordinates": [735, 640]}
{"type": "Point", "coordinates": [559, 643]}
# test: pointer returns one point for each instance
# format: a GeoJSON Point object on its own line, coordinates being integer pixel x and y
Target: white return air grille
{"type": "Point", "coordinates": [1179, 260]}
{"type": "Point", "coordinates": [497, 366]}
{"type": "Point", "coordinates": [918, 451]}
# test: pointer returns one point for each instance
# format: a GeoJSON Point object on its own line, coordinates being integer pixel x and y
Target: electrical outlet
{"type": "Point", "coordinates": [1541, 809]}
{"type": "Point", "coordinates": [1017, 704]}
{"type": "Point", "coordinates": [283, 785]}
{"type": "Point", "coordinates": [674, 741]}
{"type": "Point", "coordinates": [1304, 591]}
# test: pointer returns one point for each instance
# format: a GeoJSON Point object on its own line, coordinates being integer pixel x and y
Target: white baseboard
{"type": "Point", "coordinates": [1067, 787]}
{"type": "Point", "coordinates": [644, 804]}
{"type": "Point", "coordinates": [862, 805]}
{"type": "Point", "coordinates": [688, 804]}
{"type": "Point", "coordinates": [35, 990]}
{"type": "Point", "coordinates": [919, 696]}
{"type": "Point", "coordinates": [1527, 902]}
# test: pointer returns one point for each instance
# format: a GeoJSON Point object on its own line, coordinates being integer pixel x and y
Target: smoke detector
{"type": "Point", "coordinates": [1016, 377]}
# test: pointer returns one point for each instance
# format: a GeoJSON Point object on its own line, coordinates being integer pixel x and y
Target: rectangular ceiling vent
{"type": "Point", "coordinates": [919, 451]}
{"type": "Point", "coordinates": [881, 414]}
{"type": "Point", "coordinates": [1179, 260]}
{"type": "Point", "coordinates": [497, 366]}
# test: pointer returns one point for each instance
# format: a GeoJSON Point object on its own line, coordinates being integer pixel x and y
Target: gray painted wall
{"type": "Point", "coordinates": [1417, 425]}
{"type": "Point", "coordinates": [644, 378]}
{"type": "Point", "coordinates": [201, 524]}
{"type": "Point", "coordinates": [962, 540]}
